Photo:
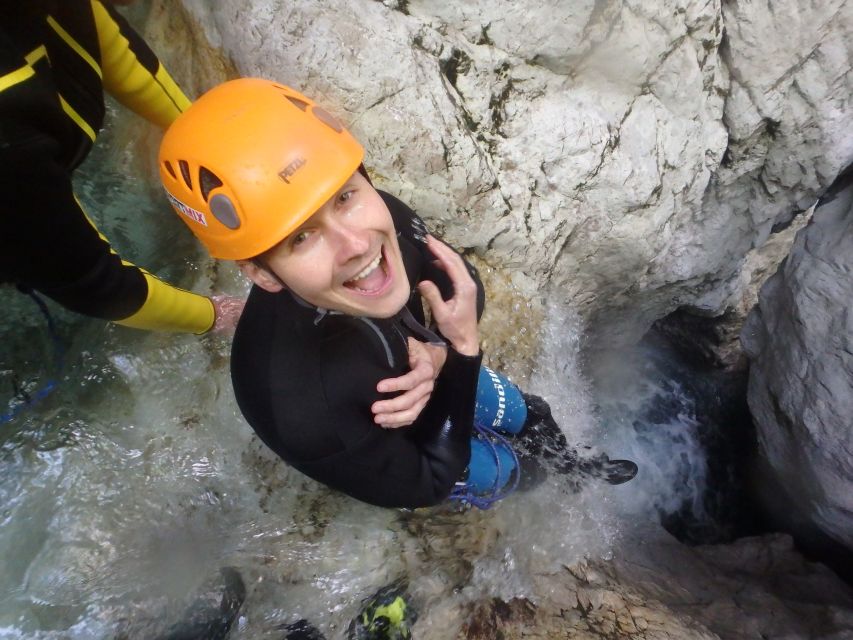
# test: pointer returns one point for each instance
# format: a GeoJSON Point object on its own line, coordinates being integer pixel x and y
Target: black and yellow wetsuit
{"type": "Point", "coordinates": [56, 59]}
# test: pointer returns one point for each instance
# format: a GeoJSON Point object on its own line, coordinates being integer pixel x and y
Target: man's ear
{"type": "Point", "coordinates": [260, 276]}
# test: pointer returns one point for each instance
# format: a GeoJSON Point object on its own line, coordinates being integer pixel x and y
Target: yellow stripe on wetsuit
{"type": "Point", "coordinates": [71, 42]}
{"type": "Point", "coordinates": [25, 72]}
{"type": "Point", "coordinates": [22, 73]}
{"type": "Point", "coordinates": [14, 77]}
{"type": "Point", "coordinates": [77, 118]}
{"type": "Point", "coordinates": [155, 96]}
{"type": "Point", "coordinates": [36, 54]}
{"type": "Point", "coordinates": [168, 308]}
{"type": "Point", "coordinates": [80, 51]}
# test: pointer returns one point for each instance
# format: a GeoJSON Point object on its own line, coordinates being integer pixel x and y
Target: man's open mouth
{"type": "Point", "coordinates": [373, 279]}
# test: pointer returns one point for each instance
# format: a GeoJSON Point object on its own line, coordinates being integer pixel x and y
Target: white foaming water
{"type": "Point", "coordinates": [648, 417]}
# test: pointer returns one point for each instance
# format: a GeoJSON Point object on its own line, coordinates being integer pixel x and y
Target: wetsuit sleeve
{"type": "Point", "coordinates": [47, 243]}
{"type": "Point", "coordinates": [131, 71]}
{"type": "Point", "coordinates": [410, 467]}
{"type": "Point", "coordinates": [168, 308]}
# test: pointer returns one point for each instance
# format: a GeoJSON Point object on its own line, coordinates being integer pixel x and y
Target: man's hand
{"type": "Point", "coordinates": [227, 310]}
{"type": "Point", "coordinates": [425, 361]}
{"type": "Point", "coordinates": [456, 318]}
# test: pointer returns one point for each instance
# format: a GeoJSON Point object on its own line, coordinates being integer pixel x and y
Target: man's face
{"type": "Point", "coordinates": [346, 256]}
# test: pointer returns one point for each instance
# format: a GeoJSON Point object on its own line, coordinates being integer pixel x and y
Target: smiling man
{"type": "Point", "coordinates": [334, 327]}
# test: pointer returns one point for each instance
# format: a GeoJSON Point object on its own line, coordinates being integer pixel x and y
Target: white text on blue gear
{"type": "Point", "coordinates": [501, 397]}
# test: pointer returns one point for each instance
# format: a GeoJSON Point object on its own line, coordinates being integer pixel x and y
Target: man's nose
{"type": "Point", "coordinates": [350, 241]}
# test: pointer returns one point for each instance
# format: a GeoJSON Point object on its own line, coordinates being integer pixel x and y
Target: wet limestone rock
{"type": "Point", "coordinates": [659, 589]}
{"type": "Point", "coordinates": [629, 154]}
{"type": "Point", "coordinates": [714, 339]}
{"type": "Point", "coordinates": [800, 342]}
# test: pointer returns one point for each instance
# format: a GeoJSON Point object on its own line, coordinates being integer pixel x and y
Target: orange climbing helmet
{"type": "Point", "coordinates": [250, 161]}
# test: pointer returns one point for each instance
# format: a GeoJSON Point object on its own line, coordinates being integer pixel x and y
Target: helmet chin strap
{"type": "Point", "coordinates": [363, 171]}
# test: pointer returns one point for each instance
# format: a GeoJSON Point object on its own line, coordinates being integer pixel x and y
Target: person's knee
{"type": "Point", "coordinates": [491, 466]}
{"type": "Point", "coordinates": [500, 404]}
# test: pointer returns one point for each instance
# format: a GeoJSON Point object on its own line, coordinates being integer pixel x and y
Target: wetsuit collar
{"type": "Point", "coordinates": [321, 312]}
{"type": "Point", "coordinates": [403, 315]}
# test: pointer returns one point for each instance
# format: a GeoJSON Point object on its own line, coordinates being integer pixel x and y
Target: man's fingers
{"type": "Point", "coordinates": [421, 373]}
{"type": "Point", "coordinates": [398, 419]}
{"type": "Point", "coordinates": [453, 264]}
{"type": "Point", "coordinates": [414, 396]}
{"type": "Point", "coordinates": [450, 260]}
{"type": "Point", "coordinates": [431, 294]}
{"type": "Point", "coordinates": [422, 369]}
{"type": "Point", "coordinates": [402, 383]}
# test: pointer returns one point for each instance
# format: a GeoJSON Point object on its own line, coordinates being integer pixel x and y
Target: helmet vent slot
{"type": "Point", "coordinates": [185, 172]}
{"type": "Point", "coordinates": [208, 181]}
{"type": "Point", "coordinates": [300, 104]}
{"type": "Point", "coordinates": [170, 169]}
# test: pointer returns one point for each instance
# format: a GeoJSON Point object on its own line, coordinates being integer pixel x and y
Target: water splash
{"type": "Point", "coordinates": [648, 413]}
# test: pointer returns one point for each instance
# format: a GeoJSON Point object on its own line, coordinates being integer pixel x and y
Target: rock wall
{"type": "Point", "coordinates": [626, 154]}
{"type": "Point", "coordinates": [661, 590]}
{"type": "Point", "coordinates": [800, 342]}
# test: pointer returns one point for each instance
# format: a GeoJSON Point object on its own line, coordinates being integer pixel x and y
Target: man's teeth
{"type": "Point", "coordinates": [368, 269]}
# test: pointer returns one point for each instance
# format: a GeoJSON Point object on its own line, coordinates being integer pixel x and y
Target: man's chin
{"type": "Point", "coordinates": [384, 306]}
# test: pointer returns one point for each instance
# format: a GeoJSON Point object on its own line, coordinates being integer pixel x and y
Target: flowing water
{"type": "Point", "coordinates": [128, 488]}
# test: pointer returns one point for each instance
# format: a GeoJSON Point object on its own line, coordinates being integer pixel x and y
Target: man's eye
{"type": "Point", "coordinates": [346, 195]}
{"type": "Point", "coordinates": [298, 238]}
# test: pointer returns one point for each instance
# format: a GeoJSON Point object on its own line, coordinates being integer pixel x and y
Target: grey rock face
{"type": "Point", "coordinates": [800, 342]}
{"type": "Point", "coordinates": [627, 154]}
{"type": "Point", "coordinates": [754, 588]}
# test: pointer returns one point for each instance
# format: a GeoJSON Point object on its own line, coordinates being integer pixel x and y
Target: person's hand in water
{"type": "Point", "coordinates": [227, 310]}
{"type": "Point", "coordinates": [456, 318]}
{"type": "Point", "coordinates": [425, 362]}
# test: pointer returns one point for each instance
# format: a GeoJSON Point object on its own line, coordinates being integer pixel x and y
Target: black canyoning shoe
{"type": "Point", "coordinates": [542, 444]}
{"type": "Point", "coordinates": [611, 471]}
{"type": "Point", "coordinates": [538, 409]}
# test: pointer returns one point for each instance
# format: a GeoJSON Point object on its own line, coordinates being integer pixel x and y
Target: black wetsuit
{"type": "Point", "coordinates": [56, 59]}
{"type": "Point", "coordinates": [305, 381]}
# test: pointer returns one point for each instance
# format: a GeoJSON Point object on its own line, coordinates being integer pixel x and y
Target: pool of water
{"type": "Point", "coordinates": [130, 487]}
